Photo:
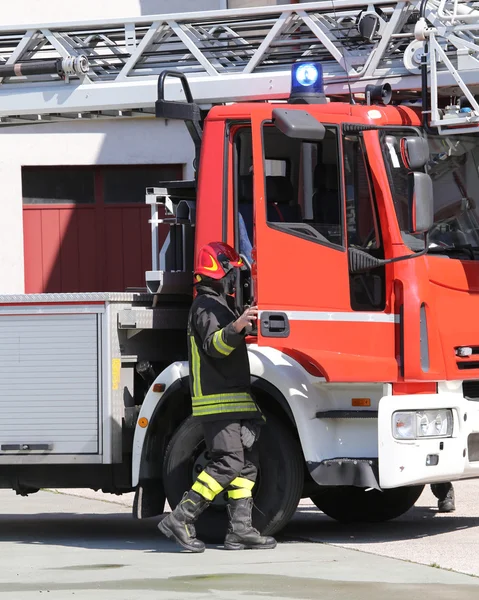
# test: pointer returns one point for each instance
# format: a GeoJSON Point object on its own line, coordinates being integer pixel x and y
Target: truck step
{"type": "Point", "coordinates": [347, 414]}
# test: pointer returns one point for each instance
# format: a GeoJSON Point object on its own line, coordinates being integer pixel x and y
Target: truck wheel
{"type": "Point", "coordinates": [277, 491]}
{"type": "Point", "coordinates": [351, 504]}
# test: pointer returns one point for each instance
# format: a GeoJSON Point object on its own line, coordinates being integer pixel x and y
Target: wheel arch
{"type": "Point", "coordinates": [272, 400]}
{"type": "Point", "coordinates": [165, 411]}
{"type": "Point", "coordinates": [162, 412]}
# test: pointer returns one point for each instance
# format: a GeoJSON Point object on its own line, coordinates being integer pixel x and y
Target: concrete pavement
{"type": "Point", "coordinates": [66, 546]}
{"type": "Point", "coordinates": [422, 535]}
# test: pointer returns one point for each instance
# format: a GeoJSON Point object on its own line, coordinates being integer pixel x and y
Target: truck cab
{"type": "Point", "coordinates": [360, 231]}
{"type": "Point", "coordinates": [358, 227]}
{"type": "Point", "coordinates": [307, 206]}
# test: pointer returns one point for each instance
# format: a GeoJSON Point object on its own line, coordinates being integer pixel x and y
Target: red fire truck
{"type": "Point", "coordinates": [356, 212]}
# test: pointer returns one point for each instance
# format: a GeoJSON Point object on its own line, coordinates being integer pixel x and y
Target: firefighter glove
{"type": "Point", "coordinates": [250, 431]}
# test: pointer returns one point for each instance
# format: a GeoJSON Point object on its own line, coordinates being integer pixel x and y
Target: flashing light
{"type": "Point", "coordinates": [307, 78]}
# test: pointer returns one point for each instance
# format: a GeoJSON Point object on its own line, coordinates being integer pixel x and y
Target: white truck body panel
{"type": "Point", "coordinates": [63, 379]}
{"type": "Point", "coordinates": [306, 395]}
{"type": "Point", "coordinates": [400, 462]}
{"type": "Point", "coordinates": [403, 462]}
{"type": "Point", "coordinates": [61, 393]}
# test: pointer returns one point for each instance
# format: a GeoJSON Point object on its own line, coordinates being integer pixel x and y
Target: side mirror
{"type": "Point", "coordinates": [298, 124]}
{"type": "Point", "coordinates": [421, 205]}
{"type": "Point", "coordinates": [415, 152]}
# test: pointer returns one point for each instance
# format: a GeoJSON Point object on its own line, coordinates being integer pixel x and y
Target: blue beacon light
{"type": "Point", "coordinates": [307, 80]}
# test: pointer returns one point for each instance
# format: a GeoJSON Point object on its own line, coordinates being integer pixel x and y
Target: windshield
{"type": "Point", "coordinates": [453, 166]}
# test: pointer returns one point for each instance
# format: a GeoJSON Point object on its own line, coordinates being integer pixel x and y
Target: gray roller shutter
{"type": "Point", "coordinates": [49, 388]}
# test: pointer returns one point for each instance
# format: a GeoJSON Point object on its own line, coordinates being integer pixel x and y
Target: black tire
{"type": "Point", "coordinates": [356, 505]}
{"type": "Point", "coordinates": [277, 491]}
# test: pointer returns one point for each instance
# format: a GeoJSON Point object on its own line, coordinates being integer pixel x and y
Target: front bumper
{"type": "Point", "coordinates": [404, 462]}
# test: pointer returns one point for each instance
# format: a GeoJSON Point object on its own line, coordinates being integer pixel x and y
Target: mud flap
{"type": "Point", "coordinates": [405, 462]}
{"type": "Point", "coordinates": [149, 499]}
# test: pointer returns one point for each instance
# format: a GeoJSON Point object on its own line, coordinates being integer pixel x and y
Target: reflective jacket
{"type": "Point", "coordinates": [220, 380]}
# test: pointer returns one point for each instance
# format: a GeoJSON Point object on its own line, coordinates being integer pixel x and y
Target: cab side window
{"type": "Point", "coordinates": [367, 290]}
{"type": "Point", "coordinates": [303, 192]}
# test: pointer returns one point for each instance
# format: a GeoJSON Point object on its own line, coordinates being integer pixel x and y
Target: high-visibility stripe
{"type": "Point", "coordinates": [227, 346]}
{"type": "Point", "coordinates": [203, 490]}
{"type": "Point", "coordinates": [195, 367]}
{"type": "Point", "coordinates": [223, 403]}
{"type": "Point", "coordinates": [222, 398]}
{"type": "Point", "coordinates": [211, 482]}
{"type": "Point", "coordinates": [241, 493]}
{"type": "Point", "coordinates": [215, 409]}
{"type": "Point", "coordinates": [241, 482]}
{"type": "Point", "coordinates": [249, 403]}
{"type": "Point", "coordinates": [220, 345]}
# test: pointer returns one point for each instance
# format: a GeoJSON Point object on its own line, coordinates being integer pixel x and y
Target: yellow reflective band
{"type": "Point", "coordinates": [241, 482]}
{"type": "Point", "coordinates": [211, 482]}
{"type": "Point", "coordinates": [195, 359]}
{"type": "Point", "coordinates": [237, 494]}
{"type": "Point", "coordinates": [232, 397]}
{"type": "Point", "coordinates": [220, 345]}
{"type": "Point", "coordinates": [223, 343]}
{"type": "Point", "coordinates": [215, 409]}
{"type": "Point", "coordinates": [223, 402]}
{"type": "Point", "coordinates": [203, 491]}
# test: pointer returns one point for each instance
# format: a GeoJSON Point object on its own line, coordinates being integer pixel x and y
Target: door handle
{"type": "Point", "coordinates": [274, 324]}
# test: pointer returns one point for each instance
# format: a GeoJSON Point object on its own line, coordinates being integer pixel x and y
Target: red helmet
{"type": "Point", "coordinates": [216, 259]}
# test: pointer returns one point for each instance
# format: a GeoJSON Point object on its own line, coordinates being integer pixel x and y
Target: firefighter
{"type": "Point", "coordinates": [444, 493]}
{"type": "Point", "coordinates": [221, 399]}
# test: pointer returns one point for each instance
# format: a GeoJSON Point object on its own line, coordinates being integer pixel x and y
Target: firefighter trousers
{"type": "Point", "coordinates": [232, 467]}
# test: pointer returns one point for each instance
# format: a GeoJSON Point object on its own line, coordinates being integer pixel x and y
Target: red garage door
{"type": "Point", "coordinates": [86, 228]}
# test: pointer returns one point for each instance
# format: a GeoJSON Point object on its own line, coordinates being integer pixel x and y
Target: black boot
{"type": "Point", "coordinates": [447, 504]}
{"type": "Point", "coordinates": [241, 533]}
{"type": "Point", "coordinates": [444, 492]}
{"type": "Point", "coordinates": [178, 525]}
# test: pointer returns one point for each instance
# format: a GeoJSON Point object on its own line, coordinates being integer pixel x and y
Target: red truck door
{"type": "Point", "coordinates": [306, 213]}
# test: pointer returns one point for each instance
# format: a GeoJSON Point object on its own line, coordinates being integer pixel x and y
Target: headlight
{"type": "Point", "coordinates": [410, 425]}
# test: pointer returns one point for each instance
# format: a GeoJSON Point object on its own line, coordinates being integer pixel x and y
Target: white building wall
{"type": "Point", "coordinates": [50, 11]}
{"type": "Point", "coordinates": [134, 141]}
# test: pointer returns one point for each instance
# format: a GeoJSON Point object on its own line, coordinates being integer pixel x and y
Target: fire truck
{"type": "Point", "coordinates": [337, 148]}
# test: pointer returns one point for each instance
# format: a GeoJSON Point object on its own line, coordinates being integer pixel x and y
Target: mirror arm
{"type": "Point", "coordinates": [361, 262]}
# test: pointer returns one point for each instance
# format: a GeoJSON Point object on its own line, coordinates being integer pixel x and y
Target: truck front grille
{"type": "Point", "coordinates": [473, 364]}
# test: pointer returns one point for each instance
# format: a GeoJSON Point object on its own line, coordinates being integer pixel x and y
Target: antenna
{"type": "Point", "coordinates": [351, 97]}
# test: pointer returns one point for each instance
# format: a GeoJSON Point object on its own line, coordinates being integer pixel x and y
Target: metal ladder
{"type": "Point", "coordinates": [96, 69]}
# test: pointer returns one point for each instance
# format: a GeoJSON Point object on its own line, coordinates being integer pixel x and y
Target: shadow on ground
{"type": "Point", "coordinates": [419, 522]}
{"type": "Point", "coordinates": [120, 531]}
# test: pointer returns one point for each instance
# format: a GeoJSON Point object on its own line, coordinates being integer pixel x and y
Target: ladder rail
{"type": "Point", "coordinates": [115, 50]}
{"type": "Point", "coordinates": [241, 55]}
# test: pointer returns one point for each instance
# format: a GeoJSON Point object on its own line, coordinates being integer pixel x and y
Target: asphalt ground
{"type": "Point", "coordinates": [82, 545]}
